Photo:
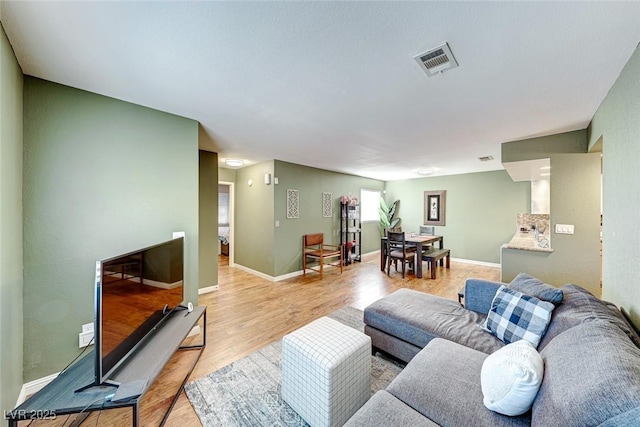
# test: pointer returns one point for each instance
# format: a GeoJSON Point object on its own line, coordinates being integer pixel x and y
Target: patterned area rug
{"type": "Point", "coordinates": [247, 392]}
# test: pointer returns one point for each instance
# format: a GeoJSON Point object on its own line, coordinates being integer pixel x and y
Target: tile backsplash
{"type": "Point", "coordinates": [525, 221]}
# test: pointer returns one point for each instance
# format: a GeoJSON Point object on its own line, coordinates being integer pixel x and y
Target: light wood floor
{"type": "Point", "coordinates": [249, 312]}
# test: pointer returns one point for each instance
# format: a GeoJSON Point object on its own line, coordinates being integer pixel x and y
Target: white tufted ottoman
{"type": "Point", "coordinates": [326, 371]}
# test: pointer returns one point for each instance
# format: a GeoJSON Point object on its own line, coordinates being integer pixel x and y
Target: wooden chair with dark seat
{"type": "Point", "coordinates": [313, 247]}
{"type": "Point", "coordinates": [398, 250]}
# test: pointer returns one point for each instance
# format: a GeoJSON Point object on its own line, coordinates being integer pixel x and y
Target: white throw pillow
{"type": "Point", "coordinates": [510, 378]}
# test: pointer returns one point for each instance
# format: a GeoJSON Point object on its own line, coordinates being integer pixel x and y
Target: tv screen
{"type": "Point", "coordinates": [134, 293]}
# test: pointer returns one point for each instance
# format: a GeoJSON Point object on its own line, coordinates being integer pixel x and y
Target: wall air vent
{"type": "Point", "coordinates": [436, 60]}
{"type": "Point", "coordinates": [485, 158]}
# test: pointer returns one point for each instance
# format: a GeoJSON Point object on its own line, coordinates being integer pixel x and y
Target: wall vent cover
{"type": "Point", "coordinates": [437, 60]}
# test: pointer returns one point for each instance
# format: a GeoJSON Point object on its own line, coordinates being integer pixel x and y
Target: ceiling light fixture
{"type": "Point", "coordinates": [426, 171]}
{"type": "Point", "coordinates": [234, 162]}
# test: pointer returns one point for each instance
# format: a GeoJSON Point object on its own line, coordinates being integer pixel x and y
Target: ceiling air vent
{"type": "Point", "coordinates": [485, 158]}
{"type": "Point", "coordinates": [436, 60]}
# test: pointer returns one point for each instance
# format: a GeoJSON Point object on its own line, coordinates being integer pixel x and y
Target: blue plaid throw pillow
{"type": "Point", "coordinates": [515, 316]}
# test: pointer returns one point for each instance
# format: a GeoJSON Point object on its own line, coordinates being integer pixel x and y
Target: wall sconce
{"type": "Point", "coordinates": [267, 178]}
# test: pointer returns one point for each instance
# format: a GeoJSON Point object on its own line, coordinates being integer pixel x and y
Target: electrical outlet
{"type": "Point", "coordinates": [85, 338]}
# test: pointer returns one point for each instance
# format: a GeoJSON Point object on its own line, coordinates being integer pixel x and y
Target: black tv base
{"type": "Point", "coordinates": [59, 397]}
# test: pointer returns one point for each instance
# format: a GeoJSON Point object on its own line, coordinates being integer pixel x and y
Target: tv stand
{"type": "Point", "coordinates": [59, 397]}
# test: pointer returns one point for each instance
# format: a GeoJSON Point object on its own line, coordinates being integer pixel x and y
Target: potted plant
{"type": "Point", "coordinates": [387, 216]}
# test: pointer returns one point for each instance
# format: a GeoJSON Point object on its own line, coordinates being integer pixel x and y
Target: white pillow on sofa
{"type": "Point", "coordinates": [510, 378]}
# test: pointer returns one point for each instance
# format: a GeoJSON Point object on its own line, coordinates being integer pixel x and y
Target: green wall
{"type": "Point", "coordinates": [101, 177]}
{"type": "Point", "coordinates": [276, 251]}
{"type": "Point", "coordinates": [617, 122]}
{"type": "Point", "coordinates": [208, 219]}
{"type": "Point", "coordinates": [575, 199]}
{"type": "Point", "coordinates": [226, 175]}
{"type": "Point", "coordinates": [311, 183]}
{"type": "Point", "coordinates": [11, 281]}
{"type": "Point", "coordinates": [254, 224]}
{"type": "Point", "coordinates": [481, 210]}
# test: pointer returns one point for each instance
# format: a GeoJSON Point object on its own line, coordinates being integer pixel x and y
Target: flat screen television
{"type": "Point", "coordinates": [134, 293]}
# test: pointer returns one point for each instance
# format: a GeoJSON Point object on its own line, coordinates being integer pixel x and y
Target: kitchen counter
{"type": "Point", "coordinates": [527, 242]}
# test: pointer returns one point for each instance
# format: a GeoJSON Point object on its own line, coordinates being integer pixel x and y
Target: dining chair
{"type": "Point", "coordinates": [313, 247]}
{"type": "Point", "coordinates": [427, 230]}
{"type": "Point", "coordinates": [398, 250]}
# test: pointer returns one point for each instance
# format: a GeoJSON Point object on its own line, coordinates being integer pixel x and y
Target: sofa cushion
{"type": "Point", "coordinates": [443, 383]}
{"type": "Point", "coordinates": [383, 409]}
{"type": "Point", "coordinates": [418, 317]}
{"type": "Point", "coordinates": [579, 306]}
{"type": "Point", "coordinates": [529, 285]}
{"type": "Point", "coordinates": [515, 316]}
{"type": "Point", "coordinates": [511, 377]}
{"type": "Point", "coordinates": [592, 375]}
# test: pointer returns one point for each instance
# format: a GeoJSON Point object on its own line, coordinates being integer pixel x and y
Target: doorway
{"type": "Point", "coordinates": [225, 222]}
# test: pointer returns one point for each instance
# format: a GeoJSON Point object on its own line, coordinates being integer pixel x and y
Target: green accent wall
{"type": "Point", "coordinates": [226, 175]}
{"type": "Point", "coordinates": [311, 183]}
{"type": "Point", "coordinates": [101, 177]}
{"type": "Point", "coordinates": [481, 210]}
{"type": "Point", "coordinates": [11, 281]}
{"type": "Point", "coordinates": [276, 251]}
{"type": "Point", "coordinates": [617, 123]}
{"type": "Point", "coordinates": [254, 230]}
{"type": "Point", "coordinates": [575, 199]}
{"type": "Point", "coordinates": [208, 220]}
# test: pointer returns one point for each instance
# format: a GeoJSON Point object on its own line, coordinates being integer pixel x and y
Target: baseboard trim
{"type": "Point", "coordinates": [34, 386]}
{"type": "Point", "coordinates": [472, 261]}
{"type": "Point", "coordinates": [208, 289]}
{"type": "Point", "coordinates": [268, 277]}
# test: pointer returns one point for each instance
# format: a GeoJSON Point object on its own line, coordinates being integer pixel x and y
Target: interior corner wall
{"type": "Point", "coordinates": [208, 219]}
{"type": "Point", "coordinates": [481, 210]}
{"type": "Point", "coordinates": [254, 225]}
{"type": "Point", "coordinates": [226, 175]}
{"type": "Point", "coordinates": [11, 246]}
{"type": "Point", "coordinates": [311, 183]}
{"type": "Point", "coordinates": [575, 199]}
{"type": "Point", "coordinates": [617, 123]}
{"type": "Point", "coordinates": [101, 177]}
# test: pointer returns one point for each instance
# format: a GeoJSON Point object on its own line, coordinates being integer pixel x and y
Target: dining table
{"type": "Point", "coordinates": [419, 241]}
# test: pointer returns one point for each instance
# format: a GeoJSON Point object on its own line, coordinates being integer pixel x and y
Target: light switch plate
{"type": "Point", "coordinates": [564, 229]}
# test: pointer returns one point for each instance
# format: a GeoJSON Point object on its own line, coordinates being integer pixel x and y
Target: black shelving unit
{"type": "Point", "coordinates": [350, 233]}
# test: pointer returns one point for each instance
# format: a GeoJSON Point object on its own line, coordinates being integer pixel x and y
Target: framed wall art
{"type": "Point", "coordinates": [434, 207]}
{"type": "Point", "coordinates": [327, 205]}
{"type": "Point", "coordinates": [293, 199]}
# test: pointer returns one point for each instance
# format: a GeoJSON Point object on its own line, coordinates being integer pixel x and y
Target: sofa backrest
{"type": "Point", "coordinates": [579, 306]}
{"type": "Point", "coordinates": [592, 376]}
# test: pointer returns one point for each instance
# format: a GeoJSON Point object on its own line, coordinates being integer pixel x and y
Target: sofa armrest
{"type": "Point", "coordinates": [478, 294]}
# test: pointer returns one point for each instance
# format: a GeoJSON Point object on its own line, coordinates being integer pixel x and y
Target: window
{"type": "Point", "coordinates": [223, 205]}
{"type": "Point", "coordinates": [370, 205]}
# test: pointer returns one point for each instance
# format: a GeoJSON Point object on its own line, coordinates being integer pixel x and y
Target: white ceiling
{"type": "Point", "coordinates": [334, 85]}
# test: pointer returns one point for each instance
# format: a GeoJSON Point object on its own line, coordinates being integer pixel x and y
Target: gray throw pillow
{"type": "Point", "coordinates": [529, 285]}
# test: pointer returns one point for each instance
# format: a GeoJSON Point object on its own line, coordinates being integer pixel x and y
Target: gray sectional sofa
{"type": "Point", "coordinates": [590, 351]}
